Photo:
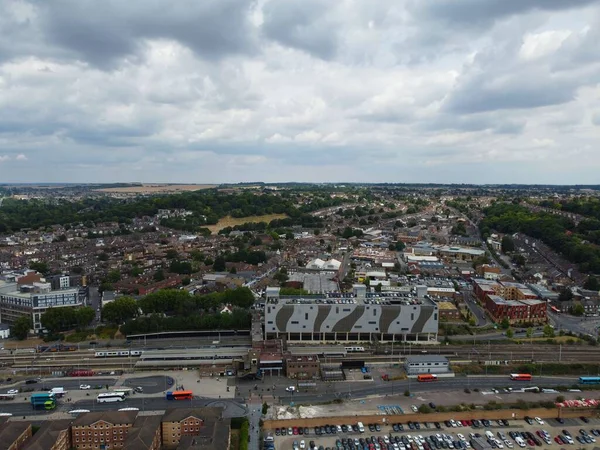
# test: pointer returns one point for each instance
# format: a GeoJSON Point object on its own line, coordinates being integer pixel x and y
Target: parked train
{"type": "Point", "coordinates": [354, 349]}
{"type": "Point", "coordinates": [111, 353]}
{"type": "Point", "coordinates": [56, 348]}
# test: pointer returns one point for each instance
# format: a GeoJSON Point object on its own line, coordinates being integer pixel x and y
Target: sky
{"type": "Point", "coordinates": [212, 91]}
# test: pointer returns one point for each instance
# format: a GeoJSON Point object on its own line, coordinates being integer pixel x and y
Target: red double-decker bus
{"type": "Point", "coordinates": [520, 376]}
{"type": "Point", "coordinates": [427, 377]}
{"type": "Point", "coordinates": [180, 395]}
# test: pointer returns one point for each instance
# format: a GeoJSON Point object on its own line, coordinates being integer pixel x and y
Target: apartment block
{"type": "Point", "coordinates": [14, 434]}
{"type": "Point", "coordinates": [52, 435]}
{"type": "Point", "coordinates": [184, 427]}
{"type": "Point", "coordinates": [33, 300]}
{"type": "Point", "coordinates": [102, 430]}
{"type": "Point", "coordinates": [145, 434]}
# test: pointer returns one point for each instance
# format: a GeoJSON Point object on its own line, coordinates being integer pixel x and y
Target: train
{"type": "Point", "coordinates": [354, 349]}
{"type": "Point", "coordinates": [56, 348]}
{"type": "Point", "coordinates": [113, 353]}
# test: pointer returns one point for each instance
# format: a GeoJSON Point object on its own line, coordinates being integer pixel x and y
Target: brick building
{"type": "Point", "coordinates": [145, 434]}
{"type": "Point", "coordinates": [52, 435]}
{"type": "Point", "coordinates": [448, 311]}
{"type": "Point", "coordinates": [99, 430]}
{"type": "Point", "coordinates": [193, 425]}
{"type": "Point", "coordinates": [515, 310]}
{"type": "Point", "coordinates": [14, 434]}
{"type": "Point", "coordinates": [500, 308]}
{"type": "Point", "coordinates": [302, 367]}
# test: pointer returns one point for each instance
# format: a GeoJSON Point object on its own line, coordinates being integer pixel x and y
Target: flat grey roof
{"type": "Point", "coordinates": [426, 358]}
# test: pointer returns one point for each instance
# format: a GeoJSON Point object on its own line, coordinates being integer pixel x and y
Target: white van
{"type": "Point", "coordinates": [489, 435]}
{"type": "Point", "coordinates": [361, 427]}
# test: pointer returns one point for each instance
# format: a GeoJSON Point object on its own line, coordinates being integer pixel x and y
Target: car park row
{"type": "Point", "coordinates": [435, 438]}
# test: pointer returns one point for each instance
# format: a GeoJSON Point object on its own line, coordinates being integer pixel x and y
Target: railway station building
{"type": "Point", "coordinates": [419, 364]}
{"type": "Point", "coordinates": [353, 317]}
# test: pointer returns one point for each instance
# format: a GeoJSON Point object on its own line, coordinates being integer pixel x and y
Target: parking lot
{"type": "Point", "coordinates": [572, 432]}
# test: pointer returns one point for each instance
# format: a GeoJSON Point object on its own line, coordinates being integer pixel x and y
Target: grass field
{"type": "Point", "coordinates": [233, 221]}
{"type": "Point", "coordinates": [157, 188]}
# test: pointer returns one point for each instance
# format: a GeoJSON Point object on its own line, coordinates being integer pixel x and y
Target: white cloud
{"type": "Point", "coordinates": [303, 90]}
{"type": "Point", "coordinates": [538, 45]}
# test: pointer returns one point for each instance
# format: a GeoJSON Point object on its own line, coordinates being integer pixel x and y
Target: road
{"type": "Point", "coordinates": [240, 407]}
{"type": "Point", "coordinates": [348, 390]}
{"type": "Point", "coordinates": [69, 385]}
{"type": "Point", "coordinates": [95, 302]}
{"type": "Point", "coordinates": [583, 325]}
{"type": "Point", "coordinates": [478, 313]}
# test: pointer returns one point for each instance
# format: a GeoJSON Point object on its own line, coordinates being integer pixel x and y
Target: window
{"type": "Point", "coordinates": [305, 316]}
{"type": "Point", "coordinates": [372, 322]}
{"type": "Point", "coordinates": [294, 322]}
{"type": "Point", "coordinates": [270, 322]}
{"type": "Point", "coordinates": [374, 312]}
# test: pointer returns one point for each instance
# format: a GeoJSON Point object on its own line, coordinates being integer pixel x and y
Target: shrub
{"type": "Point", "coordinates": [407, 393]}
{"type": "Point", "coordinates": [467, 391]}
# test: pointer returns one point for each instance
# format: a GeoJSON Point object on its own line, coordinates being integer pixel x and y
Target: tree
{"type": "Point", "coordinates": [78, 270]}
{"type": "Point", "coordinates": [529, 332]}
{"type": "Point", "coordinates": [510, 333]}
{"type": "Point", "coordinates": [21, 326]}
{"type": "Point", "coordinates": [459, 229]}
{"type": "Point", "coordinates": [159, 275]}
{"type": "Point", "coordinates": [120, 310]}
{"type": "Point", "coordinates": [172, 254]}
{"type": "Point", "coordinates": [548, 331]}
{"type": "Point", "coordinates": [57, 319]}
{"type": "Point", "coordinates": [84, 315]}
{"type": "Point", "coordinates": [565, 295]}
{"type": "Point", "coordinates": [281, 276]}
{"type": "Point", "coordinates": [505, 324]}
{"type": "Point", "coordinates": [219, 264]}
{"type": "Point", "coordinates": [577, 310]}
{"type": "Point", "coordinates": [507, 244]}
{"type": "Point", "coordinates": [40, 267]}
{"type": "Point", "coordinates": [592, 283]}
{"type": "Point", "coordinates": [113, 276]}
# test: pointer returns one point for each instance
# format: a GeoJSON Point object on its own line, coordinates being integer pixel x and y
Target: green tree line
{"type": "Point", "coordinates": [558, 232]}
{"type": "Point", "coordinates": [207, 207]}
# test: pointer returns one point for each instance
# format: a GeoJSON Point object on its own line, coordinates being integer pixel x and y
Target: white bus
{"type": "Point", "coordinates": [122, 390]}
{"type": "Point", "coordinates": [111, 397]}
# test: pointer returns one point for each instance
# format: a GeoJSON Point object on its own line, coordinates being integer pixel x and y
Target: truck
{"type": "Point", "coordinates": [43, 400]}
{"type": "Point", "coordinates": [57, 391]}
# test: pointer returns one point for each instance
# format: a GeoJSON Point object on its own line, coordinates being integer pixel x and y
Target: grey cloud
{"type": "Point", "coordinates": [596, 119]}
{"type": "Point", "coordinates": [104, 32]}
{"type": "Point", "coordinates": [479, 13]}
{"type": "Point", "coordinates": [301, 24]}
{"type": "Point", "coordinates": [475, 122]}
{"type": "Point", "coordinates": [478, 97]}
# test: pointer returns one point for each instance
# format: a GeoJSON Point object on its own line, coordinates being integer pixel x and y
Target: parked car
{"type": "Point", "coordinates": [85, 387]}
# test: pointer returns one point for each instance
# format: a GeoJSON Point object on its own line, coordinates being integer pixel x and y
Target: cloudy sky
{"type": "Point", "coordinates": [482, 91]}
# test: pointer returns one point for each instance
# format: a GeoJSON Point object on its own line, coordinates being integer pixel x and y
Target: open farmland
{"type": "Point", "coordinates": [233, 221]}
{"type": "Point", "coordinates": [157, 188]}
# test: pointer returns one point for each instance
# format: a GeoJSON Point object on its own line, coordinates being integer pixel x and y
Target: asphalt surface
{"type": "Point", "coordinates": [70, 384]}
{"type": "Point", "coordinates": [478, 313]}
{"type": "Point", "coordinates": [150, 385]}
{"type": "Point", "coordinates": [350, 390]}
{"type": "Point", "coordinates": [583, 325]}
